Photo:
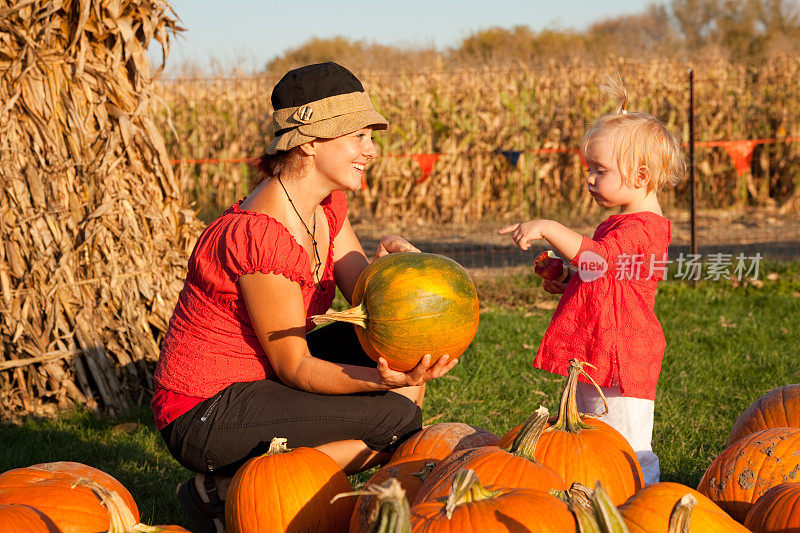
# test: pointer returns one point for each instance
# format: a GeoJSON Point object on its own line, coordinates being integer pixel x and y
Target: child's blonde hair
{"type": "Point", "coordinates": [641, 142]}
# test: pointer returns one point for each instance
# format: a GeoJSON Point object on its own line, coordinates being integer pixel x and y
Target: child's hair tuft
{"type": "Point", "coordinates": [642, 143]}
{"type": "Point", "coordinates": [614, 87]}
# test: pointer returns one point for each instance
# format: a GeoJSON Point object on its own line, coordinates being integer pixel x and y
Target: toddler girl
{"type": "Point", "coordinates": [605, 315]}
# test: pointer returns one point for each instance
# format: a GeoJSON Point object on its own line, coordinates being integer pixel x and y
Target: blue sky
{"type": "Point", "coordinates": [250, 32]}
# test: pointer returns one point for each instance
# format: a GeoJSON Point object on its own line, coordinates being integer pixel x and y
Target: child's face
{"type": "Point", "coordinates": [605, 180]}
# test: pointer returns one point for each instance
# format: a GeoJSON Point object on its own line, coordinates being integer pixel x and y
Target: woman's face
{"type": "Point", "coordinates": [342, 160]}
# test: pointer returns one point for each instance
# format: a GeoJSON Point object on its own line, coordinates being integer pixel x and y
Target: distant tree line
{"type": "Point", "coordinates": [739, 30]}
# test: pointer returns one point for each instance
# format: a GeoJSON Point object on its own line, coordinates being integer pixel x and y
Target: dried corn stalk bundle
{"type": "Point", "coordinates": [95, 233]}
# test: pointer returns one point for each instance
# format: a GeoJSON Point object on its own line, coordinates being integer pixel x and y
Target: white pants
{"type": "Point", "coordinates": [633, 417]}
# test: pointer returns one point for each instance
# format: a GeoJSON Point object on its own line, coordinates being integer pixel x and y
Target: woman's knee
{"type": "Point", "coordinates": [400, 419]}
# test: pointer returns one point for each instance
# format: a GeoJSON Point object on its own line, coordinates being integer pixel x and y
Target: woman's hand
{"type": "Point", "coordinates": [391, 244]}
{"type": "Point", "coordinates": [418, 375]}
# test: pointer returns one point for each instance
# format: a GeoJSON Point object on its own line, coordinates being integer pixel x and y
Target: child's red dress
{"type": "Point", "coordinates": [610, 321]}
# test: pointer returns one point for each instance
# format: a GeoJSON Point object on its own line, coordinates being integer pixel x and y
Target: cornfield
{"type": "Point", "coordinates": [471, 116]}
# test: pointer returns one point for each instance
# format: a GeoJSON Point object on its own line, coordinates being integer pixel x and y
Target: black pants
{"type": "Point", "coordinates": [239, 422]}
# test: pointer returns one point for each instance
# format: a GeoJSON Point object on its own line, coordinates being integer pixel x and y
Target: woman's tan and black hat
{"type": "Point", "coordinates": [325, 101]}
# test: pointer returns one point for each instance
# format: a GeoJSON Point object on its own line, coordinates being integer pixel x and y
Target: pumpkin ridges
{"type": "Point", "coordinates": [778, 509]}
{"type": "Point", "coordinates": [779, 407]}
{"type": "Point", "coordinates": [588, 450]}
{"type": "Point", "coordinates": [19, 478]}
{"type": "Point", "coordinates": [648, 510]}
{"type": "Point", "coordinates": [749, 467]}
{"type": "Point", "coordinates": [302, 482]}
{"type": "Point", "coordinates": [507, 509]}
{"type": "Point", "coordinates": [496, 466]}
{"type": "Point", "coordinates": [440, 440]}
{"type": "Point", "coordinates": [21, 518]}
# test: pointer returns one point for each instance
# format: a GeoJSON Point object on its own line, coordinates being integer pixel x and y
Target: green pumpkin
{"type": "Point", "coordinates": [406, 305]}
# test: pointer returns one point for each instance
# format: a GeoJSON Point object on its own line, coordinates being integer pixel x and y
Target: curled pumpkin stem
{"type": "Point", "coordinates": [568, 416]}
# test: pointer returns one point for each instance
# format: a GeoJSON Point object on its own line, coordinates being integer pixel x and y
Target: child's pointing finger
{"type": "Point", "coordinates": [508, 229]}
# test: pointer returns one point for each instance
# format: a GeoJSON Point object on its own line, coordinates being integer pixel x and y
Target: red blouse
{"type": "Point", "coordinates": [210, 342]}
{"type": "Point", "coordinates": [609, 321]}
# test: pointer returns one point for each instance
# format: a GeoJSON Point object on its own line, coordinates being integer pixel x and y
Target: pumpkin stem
{"type": "Point", "coordinates": [608, 516]}
{"type": "Point", "coordinates": [568, 417]}
{"type": "Point", "coordinates": [466, 488]}
{"type": "Point", "coordinates": [391, 514]}
{"type": "Point", "coordinates": [525, 442]}
{"type": "Point", "coordinates": [423, 474]}
{"type": "Point", "coordinates": [578, 499]}
{"type": "Point", "coordinates": [681, 516]}
{"type": "Point", "coordinates": [276, 446]}
{"type": "Point", "coordinates": [355, 315]}
{"type": "Point", "coordinates": [120, 517]}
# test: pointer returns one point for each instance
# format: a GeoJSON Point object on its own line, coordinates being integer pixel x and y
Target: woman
{"type": "Point", "coordinates": [238, 366]}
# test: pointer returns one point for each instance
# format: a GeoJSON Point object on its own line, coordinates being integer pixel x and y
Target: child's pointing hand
{"type": "Point", "coordinates": [525, 233]}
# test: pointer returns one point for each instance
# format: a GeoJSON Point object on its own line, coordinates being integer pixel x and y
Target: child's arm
{"type": "Point", "coordinates": [565, 241]}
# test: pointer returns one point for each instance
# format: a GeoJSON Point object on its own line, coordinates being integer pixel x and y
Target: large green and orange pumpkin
{"type": "Point", "coordinates": [777, 408]}
{"type": "Point", "coordinates": [749, 467]}
{"type": "Point", "coordinates": [288, 490]}
{"type": "Point", "coordinates": [406, 305]}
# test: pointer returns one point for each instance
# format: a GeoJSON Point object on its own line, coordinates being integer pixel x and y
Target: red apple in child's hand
{"type": "Point", "coordinates": [549, 266]}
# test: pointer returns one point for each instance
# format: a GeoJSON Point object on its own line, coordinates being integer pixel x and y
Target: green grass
{"type": "Point", "coordinates": [726, 346]}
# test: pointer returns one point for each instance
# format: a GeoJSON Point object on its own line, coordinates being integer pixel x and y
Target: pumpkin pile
{"type": "Point", "coordinates": [567, 473]}
{"type": "Point", "coordinates": [67, 497]}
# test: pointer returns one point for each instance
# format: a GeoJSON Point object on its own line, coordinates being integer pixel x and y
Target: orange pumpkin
{"type": "Point", "coordinates": [30, 475]}
{"type": "Point", "coordinates": [585, 449]}
{"type": "Point", "coordinates": [409, 472]}
{"type": "Point", "coordinates": [749, 467]}
{"type": "Point", "coordinates": [497, 467]}
{"type": "Point", "coordinates": [389, 513]}
{"type": "Point", "coordinates": [777, 408]}
{"type": "Point", "coordinates": [470, 507]}
{"type": "Point", "coordinates": [18, 518]}
{"type": "Point", "coordinates": [53, 489]}
{"type": "Point", "coordinates": [777, 510]}
{"type": "Point", "coordinates": [407, 305]}
{"type": "Point", "coordinates": [649, 510]}
{"type": "Point", "coordinates": [288, 490]}
{"type": "Point", "coordinates": [440, 440]}
{"type": "Point", "coordinates": [121, 520]}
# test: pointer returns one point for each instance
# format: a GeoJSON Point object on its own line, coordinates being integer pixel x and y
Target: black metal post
{"type": "Point", "coordinates": [692, 202]}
